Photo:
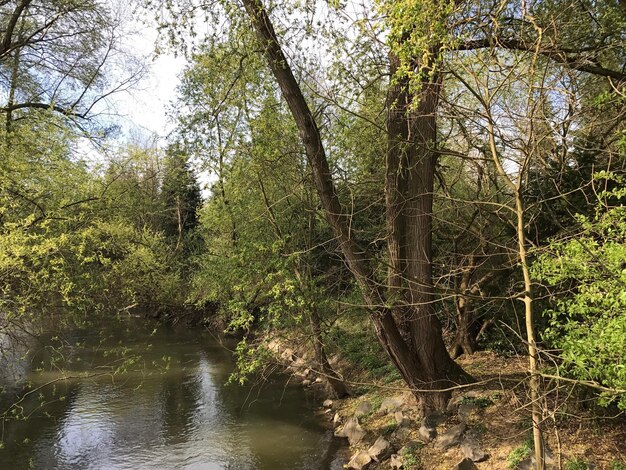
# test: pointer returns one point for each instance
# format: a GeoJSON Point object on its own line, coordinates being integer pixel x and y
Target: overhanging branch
{"type": "Point", "coordinates": [37, 105]}
{"type": "Point", "coordinates": [568, 59]}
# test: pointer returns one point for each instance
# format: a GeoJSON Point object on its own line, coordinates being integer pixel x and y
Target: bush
{"type": "Point", "coordinates": [587, 274]}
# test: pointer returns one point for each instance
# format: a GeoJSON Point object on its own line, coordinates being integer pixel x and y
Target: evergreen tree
{"type": "Point", "coordinates": [181, 198]}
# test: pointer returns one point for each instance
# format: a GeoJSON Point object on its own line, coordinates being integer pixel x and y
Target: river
{"type": "Point", "coordinates": [166, 407]}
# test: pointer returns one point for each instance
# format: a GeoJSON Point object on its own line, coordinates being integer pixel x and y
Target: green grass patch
{"type": "Point", "coordinates": [576, 464]}
{"type": "Point", "coordinates": [481, 402]}
{"type": "Point", "coordinates": [410, 457]}
{"type": "Point", "coordinates": [362, 349]}
{"type": "Point", "coordinates": [389, 429]}
{"type": "Point", "coordinates": [520, 453]}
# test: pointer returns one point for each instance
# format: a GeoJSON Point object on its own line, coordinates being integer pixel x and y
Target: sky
{"type": "Point", "coordinates": [145, 107]}
{"type": "Point", "coordinates": [149, 104]}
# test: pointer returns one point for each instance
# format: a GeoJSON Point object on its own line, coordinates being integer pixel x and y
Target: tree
{"type": "Point", "coordinates": [68, 56]}
{"type": "Point", "coordinates": [181, 198]}
{"type": "Point", "coordinates": [407, 328]}
{"type": "Point", "coordinates": [427, 42]}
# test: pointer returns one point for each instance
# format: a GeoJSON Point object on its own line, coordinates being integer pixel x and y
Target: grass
{"type": "Point", "coordinates": [520, 453]}
{"type": "Point", "coordinates": [362, 349]}
{"type": "Point", "coordinates": [410, 457]}
{"type": "Point", "coordinates": [576, 464]}
{"type": "Point", "coordinates": [376, 401]}
{"type": "Point", "coordinates": [389, 428]}
{"type": "Point", "coordinates": [481, 402]}
{"type": "Point", "coordinates": [479, 428]}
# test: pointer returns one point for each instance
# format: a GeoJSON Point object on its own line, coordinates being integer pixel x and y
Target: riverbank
{"type": "Point", "coordinates": [486, 425]}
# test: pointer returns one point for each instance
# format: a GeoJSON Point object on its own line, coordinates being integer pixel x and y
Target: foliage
{"type": "Point", "coordinates": [180, 196]}
{"type": "Point", "coordinates": [250, 360]}
{"type": "Point", "coordinates": [576, 464]}
{"type": "Point", "coordinates": [76, 240]}
{"type": "Point", "coordinates": [417, 30]}
{"type": "Point", "coordinates": [410, 457]}
{"type": "Point", "coordinates": [518, 454]}
{"type": "Point", "coordinates": [588, 277]}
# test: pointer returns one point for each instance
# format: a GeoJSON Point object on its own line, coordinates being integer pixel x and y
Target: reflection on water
{"type": "Point", "coordinates": [170, 409]}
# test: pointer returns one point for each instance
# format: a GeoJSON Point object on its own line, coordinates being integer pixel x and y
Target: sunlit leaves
{"type": "Point", "coordinates": [587, 321]}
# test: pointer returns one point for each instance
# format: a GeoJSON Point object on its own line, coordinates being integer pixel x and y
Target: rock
{"type": "Point", "coordinates": [327, 403]}
{"type": "Point", "coordinates": [380, 449]}
{"type": "Point", "coordinates": [364, 408]}
{"type": "Point", "coordinates": [454, 403]}
{"type": "Point", "coordinates": [391, 404]}
{"type": "Point", "coordinates": [402, 434]}
{"type": "Point", "coordinates": [427, 430]}
{"type": "Point", "coordinates": [427, 434]}
{"type": "Point", "coordinates": [352, 430]}
{"type": "Point", "coordinates": [434, 419]}
{"type": "Point", "coordinates": [409, 399]}
{"type": "Point", "coordinates": [530, 462]}
{"type": "Point", "coordinates": [472, 450]}
{"type": "Point", "coordinates": [306, 382]}
{"type": "Point", "coordinates": [401, 419]}
{"type": "Point", "coordinates": [465, 464]}
{"type": "Point", "coordinates": [526, 464]}
{"type": "Point", "coordinates": [360, 461]}
{"type": "Point", "coordinates": [287, 355]}
{"type": "Point", "coordinates": [467, 412]}
{"type": "Point", "coordinates": [336, 420]}
{"type": "Point", "coordinates": [451, 437]}
{"type": "Point", "coordinates": [395, 461]}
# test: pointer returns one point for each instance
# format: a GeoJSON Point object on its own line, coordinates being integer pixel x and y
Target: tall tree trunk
{"type": "Point", "coordinates": [416, 346]}
{"type": "Point", "coordinates": [411, 159]}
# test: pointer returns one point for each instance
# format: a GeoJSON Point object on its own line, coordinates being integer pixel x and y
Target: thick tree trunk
{"type": "Point", "coordinates": [416, 346]}
{"type": "Point", "coordinates": [411, 159]}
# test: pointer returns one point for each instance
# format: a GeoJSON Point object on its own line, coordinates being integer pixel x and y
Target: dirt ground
{"type": "Point", "coordinates": [579, 434]}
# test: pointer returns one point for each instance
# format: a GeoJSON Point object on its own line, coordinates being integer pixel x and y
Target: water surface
{"type": "Point", "coordinates": [167, 407]}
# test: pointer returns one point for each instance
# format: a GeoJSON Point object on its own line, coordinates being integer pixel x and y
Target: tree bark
{"type": "Point", "coordinates": [465, 337]}
{"type": "Point", "coordinates": [411, 159]}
